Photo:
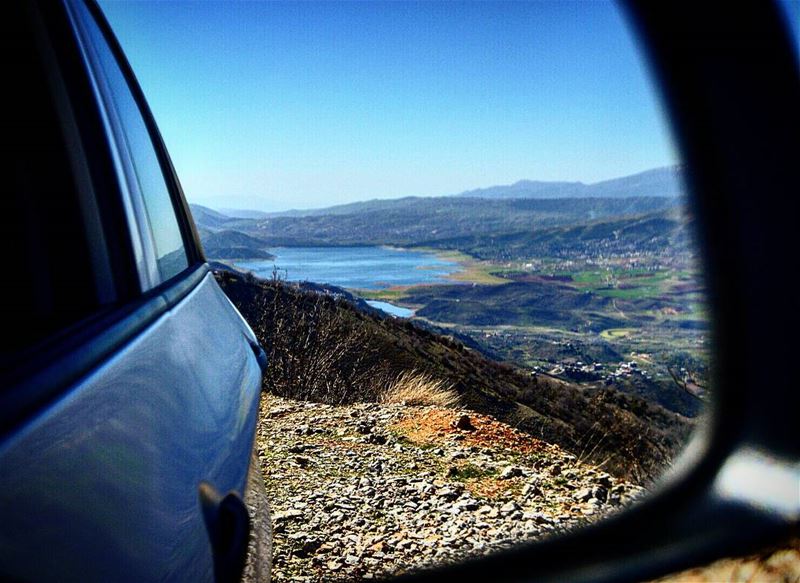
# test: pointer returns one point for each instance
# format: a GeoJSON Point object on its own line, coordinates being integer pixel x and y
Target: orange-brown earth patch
{"type": "Point", "coordinates": [431, 426]}
{"type": "Point", "coordinates": [493, 487]}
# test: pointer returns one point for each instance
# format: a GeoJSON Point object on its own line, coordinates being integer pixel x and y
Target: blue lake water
{"type": "Point", "coordinates": [368, 268]}
{"type": "Point", "coordinates": [391, 309]}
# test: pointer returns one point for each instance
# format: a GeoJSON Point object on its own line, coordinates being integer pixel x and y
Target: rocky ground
{"type": "Point", "coordinates": [365, 491]}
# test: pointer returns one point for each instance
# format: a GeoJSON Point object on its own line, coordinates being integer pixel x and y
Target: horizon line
{"type": "Point", "coordinates": [676, 166]}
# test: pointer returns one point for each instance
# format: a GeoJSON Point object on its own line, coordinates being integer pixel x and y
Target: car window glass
{"type": "Point", "coordinates": [791, 14]}
{"type": "Point", "coordinates": [57, 263]}
{"type": "Point", "coordinates": [169, 247]}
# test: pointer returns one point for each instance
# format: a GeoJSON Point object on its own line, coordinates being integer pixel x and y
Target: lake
{"type": "Point", "coordinates": [398, 311]}
{"type": "Point", "coordinates": [367, 268]}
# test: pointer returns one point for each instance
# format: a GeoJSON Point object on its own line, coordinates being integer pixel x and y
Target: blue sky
{"type": "Point", "coordinates": [273, 106]}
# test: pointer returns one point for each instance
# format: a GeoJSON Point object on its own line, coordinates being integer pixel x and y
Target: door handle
{"type": "Point", "coordinates": [261, 356]}
{"type": "Point", "coordinates": [228, 525]}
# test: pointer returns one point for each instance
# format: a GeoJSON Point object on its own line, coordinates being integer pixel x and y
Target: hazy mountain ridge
{"type": "Point", "coordinates": [207, 217]}
{"type": "Point", "coordinates": [232, 244]}
{"type": "Point", "coordinates": [237, 213]}
{"type": "Point", "coordinates": [498, 229]}
{"type": "Point", "coordinates": [659, 182]}
{"type": "Point", "coordinates": [415, 222]}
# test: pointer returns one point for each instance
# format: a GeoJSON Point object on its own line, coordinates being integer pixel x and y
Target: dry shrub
{"type": "Point", "coordinates": [416, 388]}
{"type": "Point", "coordinates": [317, 349]}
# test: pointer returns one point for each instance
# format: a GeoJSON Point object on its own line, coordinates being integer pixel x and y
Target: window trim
{"type": "Point", "coordinates": [84, 130]}
{"type": "Point", "coordinates": [138, 223]}
{"type": "Point", "coordinates": [50, 368]}
{"type": "Point", "coordinates": [146, 256]}
{"type": "Point", "coordinates": [191, 239]}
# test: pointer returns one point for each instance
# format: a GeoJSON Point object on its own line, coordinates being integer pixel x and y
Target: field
{"type": "Point", "coordinates": [577, 322]}
{"type": "Point", "coordinates": [616, 333]}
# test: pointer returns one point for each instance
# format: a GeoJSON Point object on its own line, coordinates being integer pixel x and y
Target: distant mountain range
{"type": "Point", "coordinates": [230, 244]}
{"type": "Point", "coordinates": [481, 227]}
{"type": "Point", "coordinates": [664, 182]}
{"type": "Point", "coordinates": [221, 242]}
{"type": "Point", "coordinates": [245, 213]}
{"type": "Point", "coordinates": [493, 223]}
{"type": "Point", "coordinates": [659, 182]}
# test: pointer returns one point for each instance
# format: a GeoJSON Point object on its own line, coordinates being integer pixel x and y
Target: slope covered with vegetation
{"type": "Point", "coordinates": [322, 348]}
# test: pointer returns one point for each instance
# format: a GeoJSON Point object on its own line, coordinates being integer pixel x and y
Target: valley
{"type": "Point", "coordinates": [643, 331]}
{"type": "Point", "coordinates": [602, 291]}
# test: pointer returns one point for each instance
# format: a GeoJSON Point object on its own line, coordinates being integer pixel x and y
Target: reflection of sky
{"type": "Point", "coordinates": [791, 12]}
{"type": "Point", "coordinates": [293, 105]}
{"type": "Point", "coordinates": [354, 267]}
{"type": "Point", "coordinates": [148, 171]}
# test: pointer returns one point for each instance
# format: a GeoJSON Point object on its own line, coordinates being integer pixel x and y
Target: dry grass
{"type": "Point", "coordinates": [780, 565]}
{"type": "Point", "coordinates": [417, 388]}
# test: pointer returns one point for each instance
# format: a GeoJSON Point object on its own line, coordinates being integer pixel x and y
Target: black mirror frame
{"type": "Point", "coordinates": [731, 83]}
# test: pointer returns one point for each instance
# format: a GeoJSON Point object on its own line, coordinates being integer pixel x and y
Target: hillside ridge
{"type": "Point", "coordinates": [324, 349]}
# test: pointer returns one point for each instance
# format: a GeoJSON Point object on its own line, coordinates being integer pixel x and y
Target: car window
{"type": "Point", "coordinates": [791, 14]}
{"type": "Point", "coordinates": [58, 272]}
{"type": "Point", "coordinates": [163, 225]}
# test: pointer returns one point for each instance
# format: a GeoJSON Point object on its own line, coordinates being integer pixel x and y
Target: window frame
{"type": "Point", "coordinates": [139, 223]}
{"type": "Point", "coordinates": [54, 364]}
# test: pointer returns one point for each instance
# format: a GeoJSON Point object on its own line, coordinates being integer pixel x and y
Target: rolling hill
{"type": "Point", "coordinates": [208, 218]}
{"type": "Point", "coordinates": [648, 232]}
{"type": "Point", "coordinates": [494, 223]}
{"type": "Point", "coordinates": [425, 221]}
{"type": "Point", "coordinates": [230, 244]}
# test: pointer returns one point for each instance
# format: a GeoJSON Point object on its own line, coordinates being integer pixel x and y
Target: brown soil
{"type": "Point", "coordinates": [432, 426]}
{"type": "Point", "coordinates": [493, 487]}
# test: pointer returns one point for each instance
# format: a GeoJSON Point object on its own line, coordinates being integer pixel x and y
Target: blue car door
{"type": "Point", "coordinates": [125, 420]}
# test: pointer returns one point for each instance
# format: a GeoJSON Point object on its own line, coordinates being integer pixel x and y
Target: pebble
{"type": "Point", "coordinates": [351, 502]}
